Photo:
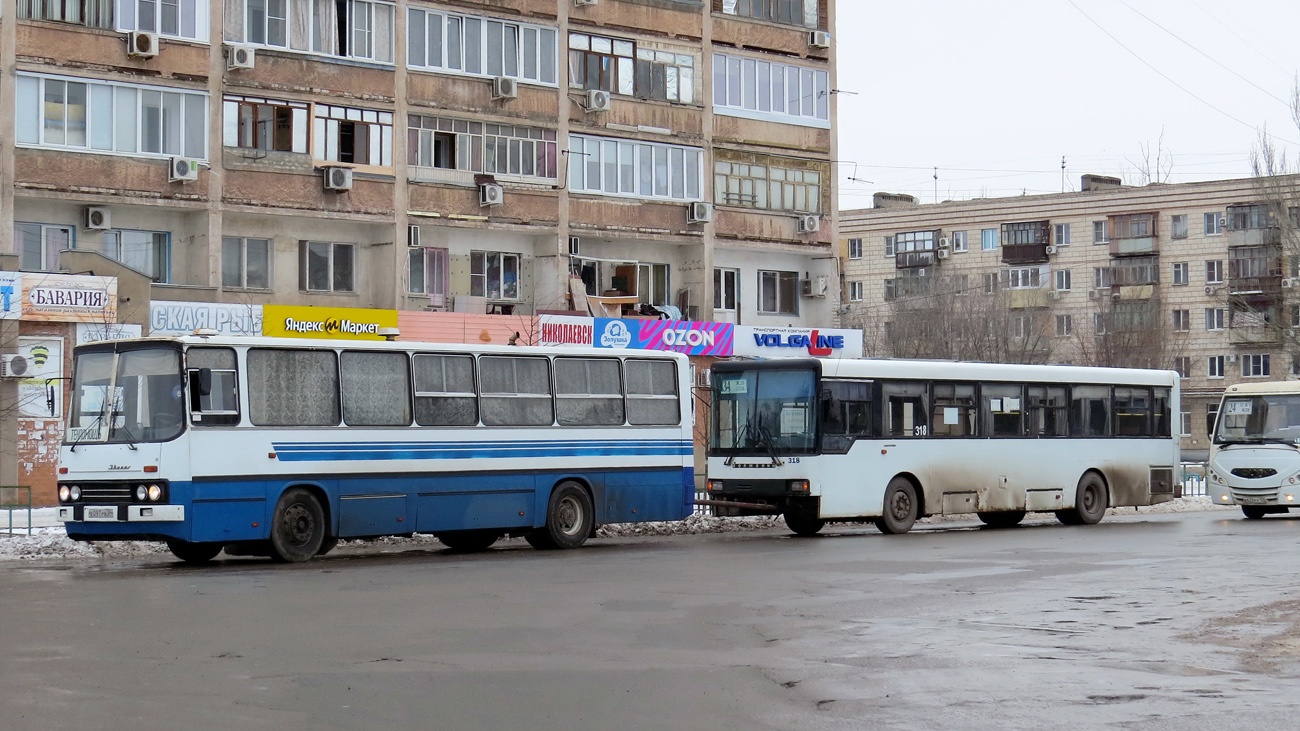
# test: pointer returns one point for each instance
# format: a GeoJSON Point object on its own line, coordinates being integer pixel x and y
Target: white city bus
{"type": "Point", "coordinates": [1255, 453]}
{"type": "Point", "coordinates": [280, 447]}
{"type": "Point", "coordinates": [891, 441]}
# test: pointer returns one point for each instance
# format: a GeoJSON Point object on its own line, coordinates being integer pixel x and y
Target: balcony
{"type": "Point", "coordinates": [1134, 246]}
{"type": "Point", "coordinates": [1133, 234]}
{"type": "Point", "coordinates": [1024, 254]}
{"type": "Point", "coordinates": [1253, 237]}
{"type": "Point", "coordinates": [1133, 291]}
{"type": "Point", "coordinates": [1256, 335]}
{"type": "Point", "coordinates": [914, 259]}
{"type": "Point", "coordinates": [1255, 269]}
{"type": "Point", "coordinates": [1026, 299]}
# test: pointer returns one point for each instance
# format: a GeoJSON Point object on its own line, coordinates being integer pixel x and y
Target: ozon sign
{"type": "Point", "coordinates": [689, 338]}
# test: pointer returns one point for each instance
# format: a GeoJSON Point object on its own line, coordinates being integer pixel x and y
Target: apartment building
{"type": "Point", "coordinates": [1195, 277]}
{"type": "Point", "coordinates": [477, 156]}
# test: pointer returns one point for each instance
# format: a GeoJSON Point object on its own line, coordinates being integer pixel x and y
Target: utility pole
{"type": "Point", "coordinates": [1062, 173]}
{"type": "Point", "coordinates": [936, 185]}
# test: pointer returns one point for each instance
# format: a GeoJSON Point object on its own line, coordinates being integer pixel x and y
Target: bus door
{"type": "Point", "coordinates": [1007, 471]}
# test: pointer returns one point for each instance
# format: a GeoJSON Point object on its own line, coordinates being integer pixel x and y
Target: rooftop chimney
{"type": "Point", "coordinates": [892, 200]}
{"type": "Point", "coordinates": [1099, 182]}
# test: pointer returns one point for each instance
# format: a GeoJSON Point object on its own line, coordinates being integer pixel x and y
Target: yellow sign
{"type": "Point", "coordinates": [330, 323]}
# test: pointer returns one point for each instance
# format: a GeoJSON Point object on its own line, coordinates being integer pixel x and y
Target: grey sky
{"type": "Point", "coordinates": [994, 92]}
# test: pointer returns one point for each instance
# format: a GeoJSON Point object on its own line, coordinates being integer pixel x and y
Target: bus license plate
{"type": "Point", "coordinates": [1253, 500]}
{"type": "Point", "coordinates": [100, 513]}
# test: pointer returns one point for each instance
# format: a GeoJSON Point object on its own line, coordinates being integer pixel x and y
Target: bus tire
{"type": "Point", "coordinates": [1002, 518]}
{"type": "Point", "coordinates": [801, 523]}
{"type": "Point", "coordinates": [569, 516]}
{"type": "Point", "coordinates": [194, 554]}
{"type": "Point", "coordinates": [1254, 512]}
{"type": "Point", "coordinates": [1090, 502]}
{"type": "Point", "coordinates": [901, 508]}
{"type": "Point", "coordinates": [468, 541]}
{"type": "Point", "coordinates": [298, 527]}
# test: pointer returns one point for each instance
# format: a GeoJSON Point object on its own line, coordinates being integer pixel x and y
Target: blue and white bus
{"type": "Point", "coordinates": [281, 447]}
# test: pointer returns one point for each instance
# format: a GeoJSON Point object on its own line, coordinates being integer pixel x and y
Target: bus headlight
{"type": "Point", "coordinates": [155, 493]}
{"type": "Point", "coordinates": [74, 493]}
{"type": "Point", "coordinates": [1224, 498]}
{"type": "Point", "coordinates": [64, 494]}
{"type": "Point", "coordinates": [800, 486]}
{"type": "Point", "coordinates": [141, 492]}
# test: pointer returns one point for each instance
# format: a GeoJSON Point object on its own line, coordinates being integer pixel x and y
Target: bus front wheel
{"type": "Point", "coordinates": [1253, 512]}
{"type": "Point", "coordinates": [298, 527]}
{"type": "Point", "coordinates": [1090, 502]}
{"type": "Point", "coordinates": [569, 517]}
{"type": "Point", "coordinates": [1002, 518]}
{"type": "Point", "coordinates": [803, 524]}
{"type": "Point", "coordinates": [901, 507]}
{"type": "Point", "coordinates": [194, 553]}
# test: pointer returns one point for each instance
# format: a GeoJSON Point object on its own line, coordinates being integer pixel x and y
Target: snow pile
{"type": "Point", "coordinates": [691, 526]}
{"type": "Point", "coordinates": [54, 543]}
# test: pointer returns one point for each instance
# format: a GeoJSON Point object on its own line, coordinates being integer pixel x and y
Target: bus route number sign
{"type": "Point", "coordinates": [1240, 407]}
{"type": "Point", "coordinates": [735, 386]}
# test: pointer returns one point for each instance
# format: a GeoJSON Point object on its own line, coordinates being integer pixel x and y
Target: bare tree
{"type": "Point", "coordinates": [1152, 165]}
{"type": "Point", "coordinates": [1127, 333]}
{"type": "Point", "coordinates": [1277, 178]}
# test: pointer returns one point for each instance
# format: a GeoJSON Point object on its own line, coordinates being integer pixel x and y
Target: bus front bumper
{"type": "Point", "coordinates": [121, 513]}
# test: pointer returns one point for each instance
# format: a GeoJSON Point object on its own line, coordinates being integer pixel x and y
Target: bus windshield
{"type": "Point", "coordinates": [764, 411]}
{"type": "Point", "coordinates": [146, 403]}
{"type": "Point", "coordinates": [1259, 419]}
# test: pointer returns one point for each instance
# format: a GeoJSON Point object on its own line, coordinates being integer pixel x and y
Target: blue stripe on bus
{"type": "Point", "coordinates": [361, 451]}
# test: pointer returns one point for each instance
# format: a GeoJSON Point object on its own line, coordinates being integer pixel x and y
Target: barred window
{"type": "Point", "coordinates": [767, 187]}
{"type": "Point", "coordinates": [499, 149]}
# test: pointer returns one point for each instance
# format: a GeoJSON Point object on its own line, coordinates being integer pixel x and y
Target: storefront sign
{"type": "Point", "coordinates": [40, 393]}
{"type": "Point", "coordinates": [334, 323]}
{"type": "Point", "coordinates": [69, 298]}
{"type": "Point", "coordinates": [691, 338]}
{"type": "Point", "coordinates": [11, 295]}
{"type": "Point", "coordinates": [89, 333]}
{"type": "Point", "coordinates": [797, 342]}
{"type": "Point", "coordinates": [565, 330]}
{"type": "Point", "coordinates": [183, 318]}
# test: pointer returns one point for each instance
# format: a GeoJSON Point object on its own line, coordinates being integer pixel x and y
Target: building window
{"type": "Point", "coordinates": [766, 187]}
{"type": "Point", "coordinates": [1185, 424]}
{"type": "Point", "coordinates": [1021, 278]}
{"type": "Point", "coordinates": [1100, 278]}
{"type": "Point", "coordinates": [769, 91]}
{"type": "Point", "coordinates": [325, 267]}
{"type": "Point", "coordinates": [1178, 226]}
{"type": "Point", "coordinates": [638, 169]}
{"type": "Point", "coordinates": [1295, 365]}
{"type": "Point", "coordinates": [1101, 232]}
{"type": "Point", "coordinates": [725, 289]}
{"type": "Point", "coordinates": [889, 246]}
{"type": "Point", "coordinates": [110, 117]}
{"type": "Point", "coordinates": [988, 239]}
{"type": "Point", "coordinates": [38, 245]}
{"type": "Point", "coordinates": [1214, 366]}
{"type": "Point", "coordinates": [1135, 225]}
{"type": "Point", "coordinates": [355, 29]}
{"type": "Point", "coordinates": [1247, 217]}
{"type": "Point", "coordinates": [1295, 315]}
{"type": "Point", "coordinates": [494, 275]}
{"type": "Point", "coordinates": [186, 19]}
{"type": "Point", "coordinates": [855, 248]}
{"type": "Point", "coordinates": [652, 284]}
{"type": "Point", "coordinates": [1213, 226]}
{"type": "Point", "coordinates": [990, 282]}
{"type": "Point", "coordinates": [466, 44]}
{"type": "Point", "coordinates": [427, 273]}
{"type": "Point", "coordinates": [147, 252]}
{"type": "Point", "coordinates": [90, 13]}
{"type": "Point", "coordinates": [855, 291]}
{"type": "Point", "coordinates": [1254, 366]}
{"type": "Point", "coordinates": [1135, 271]}
{"type": "Point", "coordinates": [1064, 326]}
{"type": "Point", "coordinates": [1181, 273]}
{"type": "Point", "coordinates": [620, 67]}
{"type": "Point", "coordinates": [1183, 364]}
{"type": "Point", "coordinates": [1025, 232]}
{"type": "Point", "coordinates": [914, 241]}
{"type": "Point", "coordinates": [245, 263]}
{"type": "Point", "coordinates": [1214, 318]}
{"type": "Point", "coordinates": [498, 149]}
{"type": "Point", "coordinates": [1098, 323]}
{"type": "Point", "coordinates": [788, 12]}
{"type": "Point", "coordinates": [1021, 326]}
{"type": "Point", "coordinates": [1062, 280]}
{"type": "Point", "coordinates": [1211, 415]}
{"type": "Point", "coordinates": [264, 124]}
{"type": "Point", "coordinates": [959, 241]}
{"type": "Point", "coordinates": [1182, 321]}
{"type": "Point", "coordinates": [778, 293]}
{"type": "Point", "coordinates": [1214, 272]}
{"type": "Point", "coordinates": [1061, 234]}
{"type": "Point", "coordinates": [353, 136]}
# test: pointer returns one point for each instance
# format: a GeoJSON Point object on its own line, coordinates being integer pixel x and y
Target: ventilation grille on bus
{"type": "Point", "coordinates": [106, 493]}
{"type": "Point", "coordinates": [1254, 473]}
{"type": "Point", "coordinates": [1162, 481]}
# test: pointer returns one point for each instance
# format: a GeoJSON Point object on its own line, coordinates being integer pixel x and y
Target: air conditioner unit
{"type": "Point", "coordinates": [412, 236]}
{"type": "Point", "coordinates": [140, 44]}
{"type": "Point", "coordinates": [819, 39]}
{"type": "Point", "coordinates": [597, 101]}
{"type": "Point", "coordinates": [1114, 295]}
{"type": "Point", "coordinates": [504, 87]}
{"type": "Point", "coordinates": [816, 287]}
{"type": "Point", "coordinates": [584, 3]}
{"type": "Point", "coordinates": [491, 194]}
{"type": "Point", "coordinates": [339, 179]}
{"type": "Point", "coordinates": [1053, 294]}
{"type": "Point", "coordinates": [98, 218]}
{"type": "Point", "coordinates": [1223, 224]}
{"type": "Point", "coordinates": [13, 365]}
{"type": "Point", "coordinates": [1290, 282]}
{"type": "Point", "coordinates": [575, 245]}
{"type": "Point", "coordinates": [809, 224]}
{"type": "Point", "coordinates": [1092, 294]}
{"type": "Point", "coordinates": [945, 243]}
{"type": "Point", "coordinates": [1230, 358]}
{"type": "Point", "coordinates": [943, 253]}
{"type": "Point", "coordinates": [699, 213]}
{"type": "Point", "coordinates": [1051, 250]}
{"type": "Point", "coordinates": [239, 57]}
{"type": "Point", "coordinates": [1211, 291]}
{"type": "Point", "coordinates": [182, 170]}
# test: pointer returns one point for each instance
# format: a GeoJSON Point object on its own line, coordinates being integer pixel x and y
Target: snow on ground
{"type": "Point", "coordinates": [51, 541]}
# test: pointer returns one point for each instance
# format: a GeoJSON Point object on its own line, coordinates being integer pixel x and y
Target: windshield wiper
{"type": "Point", "coordinates": [98, 418]}
{"type": "Point", "coordinates": [130, 444]}
{"type": "Point", "coordinates": [1258, 440]}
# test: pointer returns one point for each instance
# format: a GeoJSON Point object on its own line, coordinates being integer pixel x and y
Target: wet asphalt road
{"type": "Point", "coordinates": [1153, 622]}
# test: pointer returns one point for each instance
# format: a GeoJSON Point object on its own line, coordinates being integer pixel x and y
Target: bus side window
{"type": "Point", "coordinates": [1132, 412]}
{"type": "Point", "coordinates": [293, 387]}
{"type": "Point", "coordinates": [1003, 408]}
{"type": "Point", "coordinates": [219, 406]}
{"type": "Point", "coordinates": [1163, 416]}
{"type": "Point", "coordinates": [515, 391]}
{"type": "Point", "coordinates": [376, 388]}
{"type": "Point", "coordinates": [652, 393]}
{"type": "Point", "coordinates": [1045, 411]}
{"type": "Point", "coordinates": [1090, 411]}
{"type": "Point", "coordinates": [954, 410]}
{"type": "Point", "coordinates": [588, 392]}
{"type": "Point", "coordinates": [845, 414]}
{"type": "Point", "coordinates": [444, 390]}
{"type": "Point", "coordinates": [905, 409]}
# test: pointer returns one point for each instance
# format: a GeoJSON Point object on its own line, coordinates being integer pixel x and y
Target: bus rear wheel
{"type": "Point", "coordinates": [468, 541]}
{"type": "Point", "coordinates": [194, 553]}
{"type": "Point", "coordinates": [569, 517]}
{"type": "Point", "coordinates": [1002, 518]}
{"type": "Point", "coordinates": [901, 507]}
{"type": "Point", "coordinates": [1253, 512]}
{"type": "Point", "coordinates": [298, 527]}
{"type": "Point", "coordinates": [1090, 502]}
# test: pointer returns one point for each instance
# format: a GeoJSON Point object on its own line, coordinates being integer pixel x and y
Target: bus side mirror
{"type": "Point", "coordinates": [205, 381]}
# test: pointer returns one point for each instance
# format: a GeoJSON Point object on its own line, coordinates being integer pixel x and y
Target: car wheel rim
{"type": "Point", "coordinates": [902, 506]}
{"type": "Point", "coordinates": [1090, 498]}
{"type": "Point", "coordinates": [569, 516]}
{"type": "Point", "coordinates": [298, 525]}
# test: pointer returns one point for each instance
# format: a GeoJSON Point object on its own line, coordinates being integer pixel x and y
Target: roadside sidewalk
{"type": "Point", "coordinates": [41, 518]}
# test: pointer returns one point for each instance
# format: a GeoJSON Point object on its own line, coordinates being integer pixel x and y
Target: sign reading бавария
{"type": "Point", "coordinates": [329, 323]}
